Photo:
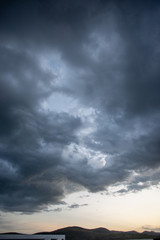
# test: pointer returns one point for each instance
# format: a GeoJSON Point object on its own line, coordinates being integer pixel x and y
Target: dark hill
{"type": "Point", "coordinates": [78, 233]}
{"type": "Point", "coordinates": [100, 230]}
{"type": "Point", "coordinates": [151, 233]}
{"type": "Point", "coordinates": [75, 233]}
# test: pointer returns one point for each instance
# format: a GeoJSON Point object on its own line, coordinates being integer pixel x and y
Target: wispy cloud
{"type": "Point", "coordinates": [75, 205]}
{"type": "Point", "coordinates": [151, 228]}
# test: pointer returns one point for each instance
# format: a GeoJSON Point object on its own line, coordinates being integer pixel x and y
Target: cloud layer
{"type": "Point", "coordinates": [80, 99]}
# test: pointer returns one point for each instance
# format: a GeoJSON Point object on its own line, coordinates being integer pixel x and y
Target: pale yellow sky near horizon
{"type": "Point", "coordinates": [133, 211]}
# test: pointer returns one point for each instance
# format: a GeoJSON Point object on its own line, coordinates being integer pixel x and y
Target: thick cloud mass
{"type": "Point", "coordinates": [79, 100]}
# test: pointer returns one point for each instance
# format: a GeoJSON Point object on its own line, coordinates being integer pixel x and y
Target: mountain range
{"type": "Point", "coordinates": [78, 233]}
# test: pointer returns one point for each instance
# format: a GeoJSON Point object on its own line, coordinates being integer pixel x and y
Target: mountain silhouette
{"type": "Point", "coordinates": [79, 233]}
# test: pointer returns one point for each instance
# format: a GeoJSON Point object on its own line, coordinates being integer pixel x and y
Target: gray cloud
{"type": "Point", "coordinates": [55, 210]}
{"type": "Point", "coordinates": [31, 140]}
{"type": "Point", "coordinates": [104, 56]}
{"type": "Point", "coordinates": [75, 205]}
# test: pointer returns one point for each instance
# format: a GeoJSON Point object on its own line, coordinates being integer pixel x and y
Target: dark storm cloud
{"type": "Point", "coordinates": [113, 54]}
{"type": "Point", "coordinates": [31, 140]}
{"type": "Point", "coordinates": [84, 175]}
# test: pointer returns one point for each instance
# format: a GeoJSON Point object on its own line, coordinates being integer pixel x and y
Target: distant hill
{"type": "Point", "coordinates": [78, 233]}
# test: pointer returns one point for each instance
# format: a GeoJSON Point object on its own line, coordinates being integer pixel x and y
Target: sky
{"type": "Point", "coordinates": [79, 114]}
